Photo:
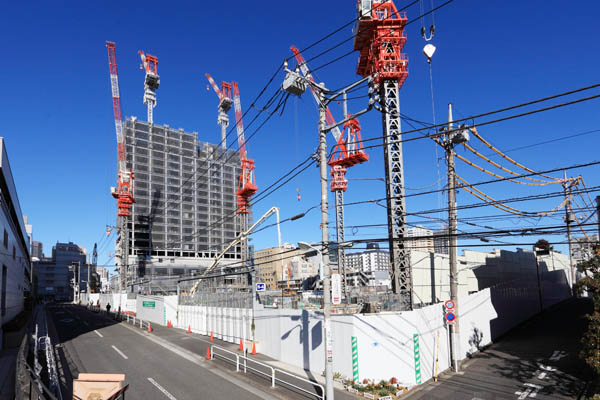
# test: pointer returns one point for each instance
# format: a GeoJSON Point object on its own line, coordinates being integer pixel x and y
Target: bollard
{"type": "Point", "coordinates": [237, 363]}
{"type": "Point", "coordinates": [245, 358]}
{"type": "Point", "coordinates": [141, 323]}
{"type": "Point", "coordinates": [273, 377]}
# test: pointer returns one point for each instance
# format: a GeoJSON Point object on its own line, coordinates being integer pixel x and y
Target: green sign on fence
{"type": "Point", "coordinates": [417, 359]}
{"type": "Point", "coordinates": [354, 359]}
{"type": "Point", "coordinates": [149, 304]}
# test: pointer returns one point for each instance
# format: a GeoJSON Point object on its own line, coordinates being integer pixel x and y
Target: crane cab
{"type": "Point", "coordinates": [365, 9]}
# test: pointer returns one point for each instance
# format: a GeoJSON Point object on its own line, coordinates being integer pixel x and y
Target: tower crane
{"type": "Point", "coordinates": [151, 82]}
{"type": "Point", "coordinates": [124, 191]}
{"type": "Point", "coordinates": [225, 103]}
{"type": "Point", "coordinates": [348, 152]}
{"type": "Point", "coordinates": [246, 185]}
{"type": "Point", "coordinates": [380, 38]}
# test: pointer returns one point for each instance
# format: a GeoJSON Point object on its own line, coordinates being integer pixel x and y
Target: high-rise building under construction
{"type": "Point", "coordinates": [184, 213]}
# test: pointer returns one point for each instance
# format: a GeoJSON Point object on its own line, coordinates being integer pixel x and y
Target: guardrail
{"type": "Point", "coordinates": [272, 376]}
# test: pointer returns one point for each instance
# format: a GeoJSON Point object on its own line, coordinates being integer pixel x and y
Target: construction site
{"type": "Point", "coordinates": [189, 202]}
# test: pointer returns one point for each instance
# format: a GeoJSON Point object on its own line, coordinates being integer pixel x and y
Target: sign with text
{"type": "Point", "coordinates": [336, 288]}
{"type": "Point", "coordinates": [149, 304]}
{"type": "Point", "coordinates": [260, 287]}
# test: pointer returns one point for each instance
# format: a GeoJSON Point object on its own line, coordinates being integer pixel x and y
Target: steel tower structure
{"type": "Point", "coordinates": [225, 104]}
{"type": "Point", "coordinates": [380, 38]}
{"type": "Point", "coordinates": [151, 82]}
{"type": "Point", "coordinates": [124, 191]}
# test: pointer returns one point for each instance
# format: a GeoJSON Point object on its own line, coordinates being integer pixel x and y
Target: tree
{"type": "Point", "coordinates": [590, 283]}
{"type": "Point", "coordinates": [542, 247]}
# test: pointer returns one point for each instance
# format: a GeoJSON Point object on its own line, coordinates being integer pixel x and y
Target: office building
{"type": "Point", "coordinates": [371, 260]}
{"type": "Point", "coordinates": [37, 250]}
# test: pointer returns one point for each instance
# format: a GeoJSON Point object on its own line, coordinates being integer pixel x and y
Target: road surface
{"type": "Point", "coordinates": [538, 361]}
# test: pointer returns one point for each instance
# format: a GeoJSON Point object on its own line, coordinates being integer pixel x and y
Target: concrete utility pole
{"type": "Point", "coordinates": [452, 220]}
{"type": "Point", "coordinates": [567, 185]}
{"type": "Point", "coordinates": [325, 251]}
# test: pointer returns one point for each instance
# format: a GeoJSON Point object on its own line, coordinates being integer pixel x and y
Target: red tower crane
{"type": "Point", "coordinates": [225, 103]}
{"type": "Point", "coordinates": [246, 186]}
{"type": "Point", "coordinates": [380, 38]}
{"type": "Point", "coordinates": [348, 151]}
{"type": "Point", "coordinates": [124, 191]}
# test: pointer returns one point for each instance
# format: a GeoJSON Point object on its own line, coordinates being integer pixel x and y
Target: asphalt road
{"type": "Point", "coordinates": [89, 342]}
{"type": "Point", "coordinates": [538, 360]}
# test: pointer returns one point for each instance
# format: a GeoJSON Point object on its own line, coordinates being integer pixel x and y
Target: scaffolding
{"type": "Point", "coordinates": [185, 209]}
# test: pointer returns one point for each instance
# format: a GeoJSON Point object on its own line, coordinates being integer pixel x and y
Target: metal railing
{"type": "Point", "coordinates": [272, 376]}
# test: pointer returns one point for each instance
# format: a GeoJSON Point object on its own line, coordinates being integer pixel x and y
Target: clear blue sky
{"type": "Point", "coordinates": [58, 123]}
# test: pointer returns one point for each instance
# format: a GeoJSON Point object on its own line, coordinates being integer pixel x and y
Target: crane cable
{"type": "Point", "coordinates": [506, 208]}
{"type": "Point", "coordinates": [499, 176]}
{"type": "Point", "coordinates": [507, 158]}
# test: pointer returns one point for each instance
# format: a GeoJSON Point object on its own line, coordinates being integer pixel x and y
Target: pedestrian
{"type": "Point", "coordinates": [107, 308]}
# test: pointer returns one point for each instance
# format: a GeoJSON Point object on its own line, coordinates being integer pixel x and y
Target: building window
{"type": "Point", "coordinates": [5, 239]}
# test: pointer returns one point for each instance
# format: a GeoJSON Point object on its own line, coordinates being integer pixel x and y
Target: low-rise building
{"type": "Point", "coordinates": [15, 260]}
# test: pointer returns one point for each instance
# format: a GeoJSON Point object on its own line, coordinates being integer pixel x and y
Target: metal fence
{"type": "Point", "coordinates": [228, 299]}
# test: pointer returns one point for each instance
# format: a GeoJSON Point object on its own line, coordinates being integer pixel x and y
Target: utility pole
{"type": "Point", "coordinates": [567, 185]}
{"type": "Point", "coordinates": [452, 219]}
{"type": "Point", "coordinates": [325, 251]}
{"type": "Point", "coordinates": [296, 84]}
{"type": "Point", "coordinates": [88, 280]}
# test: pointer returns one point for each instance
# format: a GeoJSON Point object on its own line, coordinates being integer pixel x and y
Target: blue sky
{"type": "Point", "coordinates": [58, 123]}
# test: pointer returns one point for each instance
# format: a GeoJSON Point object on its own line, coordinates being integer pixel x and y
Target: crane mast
{"type": "Point", "coordinates": [225, 103]}
{"type": "Point", "coordinates": [124, 191]}
{"type": "Point", "coordinates": [380, 38]}
{"type": "Point", "coordinates": [246, 185]}
{"type": "Point", "coordinates": [151, 82]}
{"type": "Point", "coordinates": [348, 152]}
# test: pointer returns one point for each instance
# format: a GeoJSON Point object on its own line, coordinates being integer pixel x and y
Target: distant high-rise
{"type": "Point", "coordinates": [184, 213]}
{"type": "Point", "coordinates": [37, 250]}
{"type": "Point", "coordinates": [421, 239]}
{"type": "Point", "coordinates": [441, 242]}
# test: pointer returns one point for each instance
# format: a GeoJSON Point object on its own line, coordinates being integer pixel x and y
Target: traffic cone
{"type": "Point", "coordinates": [253, 348]}
{"type": "Point", "coordinates": [208, 352]}
{"type": "Point", "coordinates": [189, 329]}
{"type": "Point", "coordinates": [149, 327]}
{"type": "Point", "coordinates": [211, 337]}
{"type": "Point", "coordinates": [241, 345]}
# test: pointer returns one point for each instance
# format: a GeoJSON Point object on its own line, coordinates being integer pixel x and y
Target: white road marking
{"type": "Point", "coordinates": [530, 391]}
{"type": "Point", "coordinates": [557, 355]}
{"type": "Point", "coordinates": [120, 352]}
{"type": "Point", "coordinates": [162, 389]}
{"type": "Point", "coordinates": [98, 333]}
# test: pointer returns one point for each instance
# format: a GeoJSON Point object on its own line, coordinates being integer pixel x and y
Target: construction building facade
{"type": "Point", "coordinates": [184, 213]}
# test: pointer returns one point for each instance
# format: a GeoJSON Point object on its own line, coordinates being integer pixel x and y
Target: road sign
{"type": "Point", "coordinates": [149, 304]}
{"type": "Point", "coordinates": [449, 304]}
{"type": "Point", "coordinates": [450, 317]}
{"type": "Point", "coordinates": [336, 288]}
{"type": "Point", "coordinates": [260, 287]}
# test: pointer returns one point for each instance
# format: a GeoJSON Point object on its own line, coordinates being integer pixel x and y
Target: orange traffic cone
{"type": "Point", "coordinates": [208, 353]}
{"type": "Point", "coordinates": [149, 327]}
{"type": "Point", "coordinates": [241, 345]}
{"type": "Point", "coordinates": [253, 348]}
{"type": "Point", "coordinates": [189, 329]}
{"type": "Point", "coordinates": [168, 324]}
{"type": "Point", "coordinates": [211, 337]}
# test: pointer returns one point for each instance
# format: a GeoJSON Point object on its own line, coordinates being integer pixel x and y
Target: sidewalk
{"type": "Point", "coordinates": [198, 344]}
{"type": "Point", "coordinates": [8, 361]}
